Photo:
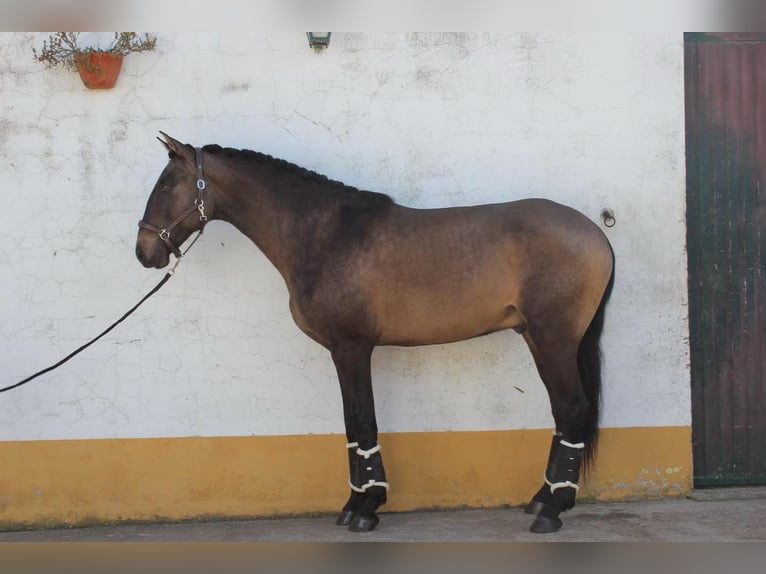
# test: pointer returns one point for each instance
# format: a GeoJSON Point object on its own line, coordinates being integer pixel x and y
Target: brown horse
{"type": "Point", "coordinates": [363, 271]}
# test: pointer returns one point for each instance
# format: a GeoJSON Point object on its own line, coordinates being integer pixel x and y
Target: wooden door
{"type": "Point", "coordinates": [725, 77]}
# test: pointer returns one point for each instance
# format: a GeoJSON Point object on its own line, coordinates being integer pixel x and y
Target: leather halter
{"type": "Point", "coordinates": [198, 205]}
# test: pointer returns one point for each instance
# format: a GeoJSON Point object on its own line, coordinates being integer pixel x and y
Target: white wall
{"type": "Point", "coordinates": [593, 121]}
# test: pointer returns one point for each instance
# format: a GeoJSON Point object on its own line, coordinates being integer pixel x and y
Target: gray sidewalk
{"type": "Point", "coordinates": [722, 515]}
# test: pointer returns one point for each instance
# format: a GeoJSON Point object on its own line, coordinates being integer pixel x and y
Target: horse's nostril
{"type": "Point", "coordinates": [140, 256]}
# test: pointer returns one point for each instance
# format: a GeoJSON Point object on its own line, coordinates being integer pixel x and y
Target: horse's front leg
{"type": "Point", "coordinates": [367, 477]}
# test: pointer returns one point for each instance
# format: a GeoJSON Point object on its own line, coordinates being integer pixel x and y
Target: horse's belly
{"type": "Point", "coordinates": [410, 323]}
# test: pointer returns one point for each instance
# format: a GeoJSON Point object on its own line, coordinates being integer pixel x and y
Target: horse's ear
{"type": "Point", "coordinates": [175, 147]}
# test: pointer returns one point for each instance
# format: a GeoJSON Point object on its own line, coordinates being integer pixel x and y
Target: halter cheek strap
{"type": "Point", "coordinates": [198, 205]}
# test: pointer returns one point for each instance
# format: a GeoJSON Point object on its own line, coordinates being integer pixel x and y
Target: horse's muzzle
{"type": "Point", "coordinates": [151, 252]}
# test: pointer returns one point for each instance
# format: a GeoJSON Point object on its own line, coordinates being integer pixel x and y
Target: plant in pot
{"type": "Point", "coordinates": [98, 67]}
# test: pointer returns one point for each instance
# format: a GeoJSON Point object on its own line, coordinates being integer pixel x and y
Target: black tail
{"type": "Point", "coordinates": [589, 369]}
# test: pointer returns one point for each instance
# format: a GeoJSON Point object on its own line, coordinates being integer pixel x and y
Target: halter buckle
{"type": "Point", "coordinates": [164, 234]}
{"type": "Point", "coordinates": [201, 185]}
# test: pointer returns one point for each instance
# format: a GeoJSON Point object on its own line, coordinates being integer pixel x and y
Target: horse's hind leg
{"type": "Point", "coordinates": [574, 417]}
{"type": "Point", "coordinates": [367, 477]}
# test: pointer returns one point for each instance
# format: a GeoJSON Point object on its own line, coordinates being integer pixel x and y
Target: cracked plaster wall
{"type": "Point", "coordinates": [433, 119]}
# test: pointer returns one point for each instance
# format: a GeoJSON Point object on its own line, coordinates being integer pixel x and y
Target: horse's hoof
{"type": "Point", "coordinates": [534, 507]}
{"type": "Point", "coordinates": [362, 523]}
{"type": "Point", "coordinates": [345, 517]}
{"type": "Point", "coordinates": [545, 525]}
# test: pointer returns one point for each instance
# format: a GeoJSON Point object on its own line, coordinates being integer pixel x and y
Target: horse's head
{"type": "Point", "coordinates": [176, 207]}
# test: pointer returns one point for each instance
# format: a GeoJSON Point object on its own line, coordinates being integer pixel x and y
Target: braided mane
{"type": "Point", "coordinates": [283, 165]}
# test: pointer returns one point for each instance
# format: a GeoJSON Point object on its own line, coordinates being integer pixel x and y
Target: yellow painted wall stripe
{"type": "Point", "coordinates": [90, 481]}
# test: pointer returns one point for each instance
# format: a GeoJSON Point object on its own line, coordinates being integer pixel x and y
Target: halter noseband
{"type": "Point", "coordinates": [198, 205]}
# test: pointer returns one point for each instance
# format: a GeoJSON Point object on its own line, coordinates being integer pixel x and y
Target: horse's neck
{"type": "Point", "coordinates": [269, 219]}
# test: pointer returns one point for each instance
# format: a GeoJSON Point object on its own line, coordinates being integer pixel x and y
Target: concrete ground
{"type": "Point", "coordinates": [717, 515]}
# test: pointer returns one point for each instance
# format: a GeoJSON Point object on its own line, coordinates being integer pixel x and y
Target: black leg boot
{"type": "Point", "coordinates": [373, 483]}
{"type": "Point", "coordinates": [561, 477]}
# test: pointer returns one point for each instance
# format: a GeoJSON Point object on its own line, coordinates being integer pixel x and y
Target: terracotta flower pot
{"type": "Point", "coordinates": [98, 70]}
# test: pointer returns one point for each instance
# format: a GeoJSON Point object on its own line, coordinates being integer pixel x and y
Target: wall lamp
{"type": "Point", "coordinates": [319, 40]}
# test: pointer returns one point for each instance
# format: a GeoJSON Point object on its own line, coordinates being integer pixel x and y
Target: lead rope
{"type": "Point", "coordinates": [77, 351]}
{"type": "Point", "coordinates": [199, 204]}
